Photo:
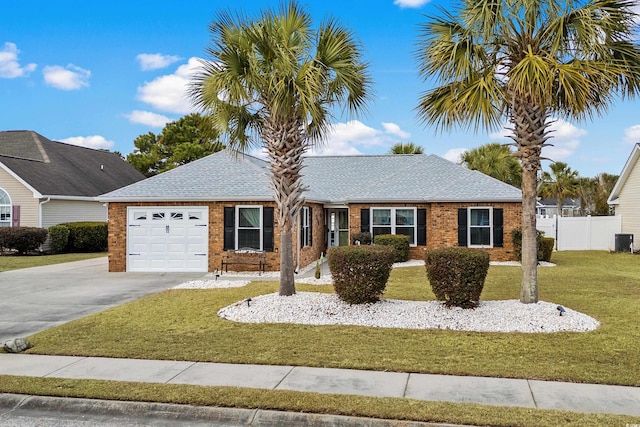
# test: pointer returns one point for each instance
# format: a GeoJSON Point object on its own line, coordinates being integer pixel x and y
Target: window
{"type": "Point", "coordinates": [394, 221]}
{"type": "Point", "coordinates": [305, 226]}
{"type": "Point", "coordinates": [5, 209]}
{"type": "Point", "coordinates": [249, 227]}
{"type": "Point", "coordinates": [480, 225]}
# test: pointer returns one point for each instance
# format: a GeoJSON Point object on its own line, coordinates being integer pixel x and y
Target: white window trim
{"type": "Point", "coordinates": [393, 220]}
{"type": "Point", "coordinates": [304, 229]}
{"type": "Point", "coordinates": [237, 224]}
{"type": "Point", "coordinates": [10, 206]}
{"type": "Point", "coordinates": [490, 226]}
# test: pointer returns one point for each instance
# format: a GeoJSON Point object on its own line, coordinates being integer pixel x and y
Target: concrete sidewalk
{"type": "Point", "coordinates": [486, 391]}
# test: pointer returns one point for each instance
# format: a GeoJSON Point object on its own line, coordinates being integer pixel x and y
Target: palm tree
{"type": "Point", "coordinates": [272, 82]}
{"type": "Point", "coordinates": [527, 61]}
{"type": "Point", "coordinates": [406, 148]}
{"type": "Point", "coordinates": [561, 183]}
{"type": "Point", "coordinates": [495, 160]}
{"type": "Point", "coordinates": [605, 184]}
{"type": "Point", "coordinates": [587, 189]}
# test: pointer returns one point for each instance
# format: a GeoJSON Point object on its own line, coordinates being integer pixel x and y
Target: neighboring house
{"type": "Point", "coordinates": [625, 196]}
{"type": "Point", "coordinates": [185, 219]}
{"type": "Point", "coordinates": [549, 207]}
{"type": "Point", "coordinates": [44, 183]}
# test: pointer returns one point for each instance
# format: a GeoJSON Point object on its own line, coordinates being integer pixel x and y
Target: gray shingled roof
{"type": "Point", "coordinates": [58, 169]}
{"type": "Point", "coordinates": [337, 179]}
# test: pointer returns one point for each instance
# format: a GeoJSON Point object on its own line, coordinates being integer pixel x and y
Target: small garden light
{"type": "Point", "coordinates": [561, 310]}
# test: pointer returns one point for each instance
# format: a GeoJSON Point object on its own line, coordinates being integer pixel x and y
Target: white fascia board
{"type": "Point", "coordinates": [444, 200]}
{"type": "Point", "coordinates": [626, 171]}
{"type": "Point", "coordinates": [36, 193]}
{"type": "Point", "coordinates": [76, 198]}
{"type": "Point", "coordinates": [183, 199]}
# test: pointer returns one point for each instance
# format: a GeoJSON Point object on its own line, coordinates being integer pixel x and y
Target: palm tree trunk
{"type": "Point", "coordinates": [530, 134]}
{"type": "Point", "coordinates": [285, 147]}
{"type": "Point", "coordinates": [529, 288]}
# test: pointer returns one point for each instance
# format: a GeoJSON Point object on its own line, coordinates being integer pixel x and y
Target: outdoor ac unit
{"type": "Point", "coordinates": [624, 242]}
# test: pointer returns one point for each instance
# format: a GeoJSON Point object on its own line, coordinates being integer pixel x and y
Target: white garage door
{"type": "Point", "coordinates": [167, 238]}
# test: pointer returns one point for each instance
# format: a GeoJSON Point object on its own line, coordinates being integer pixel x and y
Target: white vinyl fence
{"type": "Point", "coordinates": [582, 233]}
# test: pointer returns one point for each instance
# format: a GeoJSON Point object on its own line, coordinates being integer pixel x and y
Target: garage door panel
{"type": "Point", "coordinates": [167, 239]}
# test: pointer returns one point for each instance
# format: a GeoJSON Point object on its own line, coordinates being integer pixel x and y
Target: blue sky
{"type": "Point", "coordinates": [99, 74]}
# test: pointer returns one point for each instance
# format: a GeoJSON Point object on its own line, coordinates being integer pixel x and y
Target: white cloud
{"type": "Point", "coordinates": [9, 66]}
{"type": "Point", "coordinates": [154, 61]}
{"type": "Point", "coordinates": [565, 139]}
{"type": "Point", "coordinates": [632, 134]}
{"type": "Point", "coordinates": [345, 138]}
{"type": "Point", "coordinates": [410, 3]}
{"type": "Point", "coordinates": [93, 141]}
{"type": "Point", "coordinates": [454, 155]}
{"type": "Point", "coordinates": [394, 129]}
{"type": "Point", "coordinates": [148, 118]}
{"type": "Point", "coordinates": [70, 77]}
{"type": "Point", "coordinates": [169, 93]}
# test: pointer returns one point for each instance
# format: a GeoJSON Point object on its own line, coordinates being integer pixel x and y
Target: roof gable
{"type": "Point", "coordinates": [632, 161]}
{"type": "Point", "coordinates": [58, 169]}
{"type": "Point", "coordinates": [227, 175]}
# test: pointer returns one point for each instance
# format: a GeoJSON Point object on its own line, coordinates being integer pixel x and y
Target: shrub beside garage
{"type": "Point", "coordinates": [75, 237]}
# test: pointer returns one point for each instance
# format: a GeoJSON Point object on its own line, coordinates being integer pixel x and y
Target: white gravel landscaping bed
{"type": "Point", "coordinates": [311, 308]}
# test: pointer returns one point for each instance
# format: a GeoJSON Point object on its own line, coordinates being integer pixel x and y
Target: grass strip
{"type": "Point", "coordinates": [233, 397]}
{"type": "Point", "coordinates": [15, 262]}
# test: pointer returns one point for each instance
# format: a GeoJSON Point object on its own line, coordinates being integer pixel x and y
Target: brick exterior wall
{"type": "Point", "coordinates": [442, 225]}
{"type": "Point", "coordinates": [118, 234]}
{"type": "Point", "coordinates": [442, 230]}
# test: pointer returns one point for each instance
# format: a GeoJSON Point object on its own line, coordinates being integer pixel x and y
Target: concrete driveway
{"type": "Point", "coordinates": [35, 299]}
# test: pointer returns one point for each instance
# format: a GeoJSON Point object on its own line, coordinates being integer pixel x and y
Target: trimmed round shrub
{"type": "Point", "coordinates": [399, 243]}
{"type": "Point", "coordinates": [360, 273]}
{"type": "Point", "coordinates": [457, 275]}
{"type": "Point", "coordinates": [87, 236]}
{"type": "Point", "coordinates": [22, 239]}
{"type": "Point", "coordinates": [58, 238]}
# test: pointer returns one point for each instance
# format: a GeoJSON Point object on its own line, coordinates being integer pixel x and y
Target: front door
{"type": "Point", "coordinates": [337, 224]}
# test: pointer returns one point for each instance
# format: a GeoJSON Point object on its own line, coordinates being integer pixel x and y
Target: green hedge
{"type": "Point", "coordinates": [58, 238]}
{"type": "Point", "coordinates": [399, 243]}
{"type": "Point", "coordinates": [363, 237]}
{"type": "Point", "coordinates": [360, 273]}
{"type": "Point", "coordinates": [22, 239]}
{"type": "Point", "coordinates": [457, 275]}
{"type": "Point", "coordinates": [545, 248]}
{"type": "Point", "coordinates": [516, 236]}
{"type": "Point", "coordinates": [86, 236]}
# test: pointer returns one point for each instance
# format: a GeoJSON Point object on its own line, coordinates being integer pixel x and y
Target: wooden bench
{"type": "Point", "coordinates": [244, 256]}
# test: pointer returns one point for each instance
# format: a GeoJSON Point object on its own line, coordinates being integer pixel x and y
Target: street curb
{"type": "Point", "coordinates": [169, 414]}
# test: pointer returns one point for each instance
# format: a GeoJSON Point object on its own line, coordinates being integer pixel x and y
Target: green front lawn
{"type": "Point", "coordinates": [183, 325]}
{"type": "Point", "coordinates": [15, 262]}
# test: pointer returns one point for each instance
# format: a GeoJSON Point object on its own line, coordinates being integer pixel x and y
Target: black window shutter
{"type": "Point", "coordinates": [310, 240]}
{"type": "Point", "coordinates": [462, 227]}
{"type": "Point", "coordinates": [229, 228]}
{"type": "Point", "coordinates": [498, 229]}
{"type": "Point", "coordinates": [364, 220]}
{"type": "Point", "coordinates": [422, 227]}
{"type": "Point", "coordinates": [267, 229]}
{"type": "Point", "coordinates": [301, 228]}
